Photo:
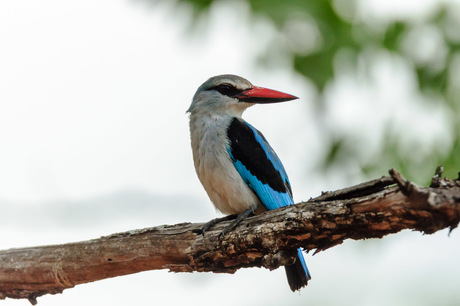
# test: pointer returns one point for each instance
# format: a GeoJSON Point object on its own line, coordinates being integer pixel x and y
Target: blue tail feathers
{"type": "Point", "coordinates": [297, 273]}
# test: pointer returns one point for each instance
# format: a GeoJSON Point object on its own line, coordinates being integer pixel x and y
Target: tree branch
{"type": "Point", "coordinates": [369, 210]}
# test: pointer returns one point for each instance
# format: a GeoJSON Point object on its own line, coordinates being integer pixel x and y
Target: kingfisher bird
{"type": "Point", "coordinates": [236, 165]}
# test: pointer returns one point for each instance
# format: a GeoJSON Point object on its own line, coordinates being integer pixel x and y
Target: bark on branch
{"type": "Point", "coordinates": [369, 210]}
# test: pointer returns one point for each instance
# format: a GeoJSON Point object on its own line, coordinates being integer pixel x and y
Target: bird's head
{"type": "Point", "coordinates": [231, 94]}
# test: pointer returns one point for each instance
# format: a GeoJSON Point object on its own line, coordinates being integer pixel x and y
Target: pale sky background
{"type": "Point", "coordinates": [94, 140]}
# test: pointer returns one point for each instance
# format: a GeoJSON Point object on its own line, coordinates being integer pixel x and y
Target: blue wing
{"type": "Point", "coordinates": [262, 170]}
{"type": "Point", "coordinates": [258, 165]}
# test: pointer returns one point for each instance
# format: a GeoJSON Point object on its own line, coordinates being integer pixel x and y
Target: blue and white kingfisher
{"type": "Point", "coordinates": [237, 167]}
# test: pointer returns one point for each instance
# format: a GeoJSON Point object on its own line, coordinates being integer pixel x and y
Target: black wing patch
{"type": "Point", "coordinates": [254, 153]}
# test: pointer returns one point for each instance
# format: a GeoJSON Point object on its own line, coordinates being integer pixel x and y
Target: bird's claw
{"type": "Point", "coordinates": [213, 222]}
{"type": "Point", "coordinates": [231, 226]}
{"type": "Point", "coordinates": [234, 223]}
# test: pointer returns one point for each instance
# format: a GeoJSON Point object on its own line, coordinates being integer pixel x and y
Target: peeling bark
{"type": "Point", "coordinates": [369, 210]}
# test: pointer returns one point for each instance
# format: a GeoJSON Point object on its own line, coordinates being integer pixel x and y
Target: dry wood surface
{"type": "Point", "coordinates": [369, 210]}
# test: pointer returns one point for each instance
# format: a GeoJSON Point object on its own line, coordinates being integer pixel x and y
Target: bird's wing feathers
{"type": "Point", "coordinates": [258, 164]}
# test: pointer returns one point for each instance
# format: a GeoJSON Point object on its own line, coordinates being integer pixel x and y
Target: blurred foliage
{"type": "Point", "coordinates": [313, 34]}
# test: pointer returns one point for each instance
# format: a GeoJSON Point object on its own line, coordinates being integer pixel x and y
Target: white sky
{"type": "Point", "coordinates": [92, 103]}
{"type": "Point", "coordinates": [94, 96]}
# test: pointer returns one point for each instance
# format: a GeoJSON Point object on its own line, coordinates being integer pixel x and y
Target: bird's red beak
{"type": "Point", "coordinates": [264, 95]}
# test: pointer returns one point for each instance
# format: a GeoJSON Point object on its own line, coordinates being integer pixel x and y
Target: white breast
{"type": "Point", "coordinates": [224, 185]}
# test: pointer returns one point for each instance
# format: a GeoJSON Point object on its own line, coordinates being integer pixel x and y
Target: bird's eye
{"type": "Point", "coordinates": [227, 89]}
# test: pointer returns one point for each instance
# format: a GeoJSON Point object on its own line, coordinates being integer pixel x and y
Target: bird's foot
{"type": "Point", "coordinates": [245, 214]}
{"type": "Point", "coordinates": [231, 226]}
{"type": "Point", "coordinates": [213, 222]}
